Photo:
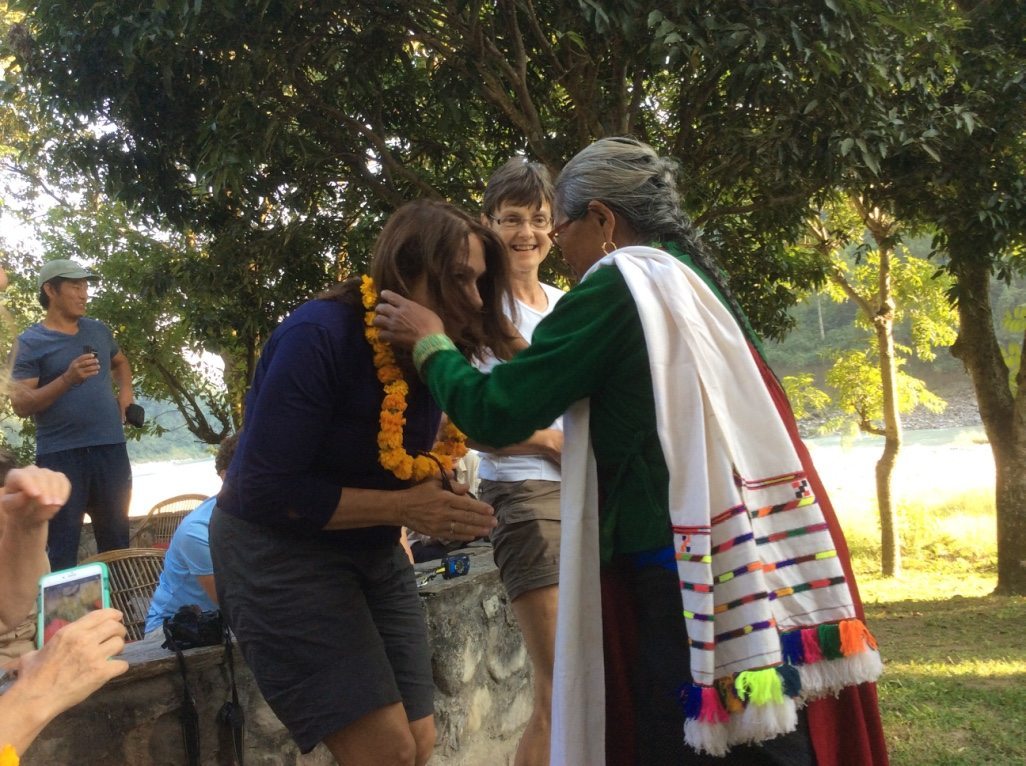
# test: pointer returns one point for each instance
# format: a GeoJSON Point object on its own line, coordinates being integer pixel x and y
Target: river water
{"type": "Point", "coordinates": [153, 482]}
{"type": "Point", "coordinates": [936, 461]}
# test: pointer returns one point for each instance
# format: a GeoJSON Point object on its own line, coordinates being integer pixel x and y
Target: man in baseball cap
{"type": "Point", "coordinates": [66, 269]}
{"type": "Point", "coordinates": [65, 370]}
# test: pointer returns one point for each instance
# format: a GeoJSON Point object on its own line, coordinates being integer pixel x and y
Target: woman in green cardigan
{"type": "Point", "coordinates": [663, 668]}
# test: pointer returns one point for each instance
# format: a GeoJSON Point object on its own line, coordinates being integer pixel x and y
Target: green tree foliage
{"type": "Point", "coordinates": [974, 193]}
{"type": "Point", "coordinates": [921, 310]}
{"type": "Point", "coordinates": [283, 132]}
{"type": "Point", "coordinates": [17, 309]}
{"type": "Point", "coordinates": [889, 286]}
{"type": "Point", "coordinates": [277, 135]}
{"type": "Point", "coordinates": [855, 375]}
{"type": "Point", "coordinates": [805, 398]}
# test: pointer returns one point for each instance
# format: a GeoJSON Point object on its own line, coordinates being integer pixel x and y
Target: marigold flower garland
{"type": "Point", "coordinates": [451, 446]}
{"type": "Point", "coordinates": [8, 756]}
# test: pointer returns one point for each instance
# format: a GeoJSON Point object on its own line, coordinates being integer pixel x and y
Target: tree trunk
{"type": "Point", "coordinates": [883, 324]}
{"type": "Point", "coordinates": [819, 314]}
{"type": "Point", "coordinates": [1002, 414]}
{"type": "Point", "coordinates": [881, 226]}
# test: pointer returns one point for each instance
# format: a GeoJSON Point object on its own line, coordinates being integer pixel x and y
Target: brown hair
{"type": "Point", "coordinates": [225, 452]}
{"type": "Point", "coordinates": [518, 182]}
{"type": "Point", "coordinates": [428, 238]}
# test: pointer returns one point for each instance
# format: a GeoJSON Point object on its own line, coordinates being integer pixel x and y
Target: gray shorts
{"type": "Point", "coordinates": [330, 635]}
{"type": "Point", "coordinates": [525, 544]}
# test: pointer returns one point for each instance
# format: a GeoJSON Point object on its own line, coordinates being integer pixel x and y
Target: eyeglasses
{"type": "Point", "coordinates": [538, 222]}
{"type": "Point", "coordinates": [554, 234]}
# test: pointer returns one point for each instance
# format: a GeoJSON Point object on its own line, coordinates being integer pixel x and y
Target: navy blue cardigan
{"type": "Point", "coordinates": [311, 427]}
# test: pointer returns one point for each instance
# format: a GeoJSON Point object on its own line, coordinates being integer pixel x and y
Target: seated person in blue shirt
{"type": "Point", "coordinates": [188, 576]}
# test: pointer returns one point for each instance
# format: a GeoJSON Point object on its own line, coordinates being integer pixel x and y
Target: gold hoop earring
{"type": "Point", "coordinates": [610, 244]}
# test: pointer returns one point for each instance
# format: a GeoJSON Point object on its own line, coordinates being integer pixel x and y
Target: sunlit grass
{"type": "Point", "coordinates": [948, 547]}
{"type": "Point", "coordinates": [955, 656]}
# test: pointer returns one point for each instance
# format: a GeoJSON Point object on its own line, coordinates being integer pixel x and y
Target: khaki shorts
{"type": "Point", "coordinates": [525, 544]}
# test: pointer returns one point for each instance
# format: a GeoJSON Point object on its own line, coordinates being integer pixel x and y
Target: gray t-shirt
{"type": "Point", "coordinates": [87, 415]}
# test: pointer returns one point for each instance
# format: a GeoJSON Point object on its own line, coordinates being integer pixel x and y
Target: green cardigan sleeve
{"type": "Point", "coordinates": [566, 361]}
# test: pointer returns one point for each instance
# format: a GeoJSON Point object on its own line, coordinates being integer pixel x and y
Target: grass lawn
{"type": "Point", "coordinates": [954, 687]}
{"type": "Point", "coordinates": [953, 691]}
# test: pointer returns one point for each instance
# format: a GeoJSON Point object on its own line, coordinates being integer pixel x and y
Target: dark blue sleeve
{"type": "Point", "coordinates": [109, 337]}
{"type": "Point", "coordinates": [288, 418]}
{"type": "Point", "coordinates": [26, 363]}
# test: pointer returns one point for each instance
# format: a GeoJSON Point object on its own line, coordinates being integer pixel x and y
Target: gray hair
{"type": "Point", "coordinates": [635, 182]}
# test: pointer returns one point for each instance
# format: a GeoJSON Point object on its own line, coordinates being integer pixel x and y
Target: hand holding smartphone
{"type": "Point", "coordinates": [69, 594]}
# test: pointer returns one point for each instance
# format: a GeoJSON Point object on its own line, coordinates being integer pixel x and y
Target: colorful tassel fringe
{"type": "Point", "coordinates": [810, 646]}
{"type": "Point", "coordinates": [759, 704]}
{"type": "Point", "coordinates": [830, 642]}
{"type": "Point", "coordinates": [759, 687]}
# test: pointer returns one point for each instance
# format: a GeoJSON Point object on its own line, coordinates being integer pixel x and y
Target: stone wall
{"type": "Point", "coordinates": [482, 680]}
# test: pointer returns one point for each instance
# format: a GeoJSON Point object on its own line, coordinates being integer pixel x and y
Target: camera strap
{"type": "Point", "coordinates": [442, 473]}
{"type": "Point", "coordinates": [231, 718]}
{"type": "Point", "coordinates": [187, 713]}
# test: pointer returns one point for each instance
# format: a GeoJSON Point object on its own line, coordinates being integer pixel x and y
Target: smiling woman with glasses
{"type": "Point", "coordinates": [522, 481]}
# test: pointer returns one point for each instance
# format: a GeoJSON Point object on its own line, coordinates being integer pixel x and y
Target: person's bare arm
{"type": "Point", "coordinates": [425, 507]}
{"type": "Point", "coordinates": [547, 442]}
{"type": "Point", "coordinates": [121, 372]}
{"type": "Point", "coordinates": [30, 498]}
{"type": "Point", "coordinates": [28, 397]}
{"type": "Point", "coordinates": [74, 663]}
{"type": "Point", "coordinates": [209, 585]}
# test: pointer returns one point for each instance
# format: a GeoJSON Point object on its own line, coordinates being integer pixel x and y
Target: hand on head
{"type": "Point", "coordinates": [33, 495]}
{"type": "Point", "coordinates": [403, 322]}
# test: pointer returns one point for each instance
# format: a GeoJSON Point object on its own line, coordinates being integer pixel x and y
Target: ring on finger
{"type": "Point", "coordinates": [452, 528]}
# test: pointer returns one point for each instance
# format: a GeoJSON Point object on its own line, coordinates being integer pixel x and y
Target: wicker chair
{"type": "Point", "coordinates": [134, 574]}
{"type": "Point", "coordinates": [162, 521]}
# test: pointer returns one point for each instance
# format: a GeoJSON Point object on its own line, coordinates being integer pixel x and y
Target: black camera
{"type": "Point", "coordinates": [456, 565]}
{"type": "Point", "coordinates": [191, 627]}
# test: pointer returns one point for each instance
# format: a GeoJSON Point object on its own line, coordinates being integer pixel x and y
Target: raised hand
{"type": "Point", "coordinates": [33, 495]}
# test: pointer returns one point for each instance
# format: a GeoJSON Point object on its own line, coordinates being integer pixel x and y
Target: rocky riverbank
{"type": "Point", "coordinates": [955, 389]}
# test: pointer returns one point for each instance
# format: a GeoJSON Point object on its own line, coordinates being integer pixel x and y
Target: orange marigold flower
{"type": "Point", "coordinates": [391, 454]}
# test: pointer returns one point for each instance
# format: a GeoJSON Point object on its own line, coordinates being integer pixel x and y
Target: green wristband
{"type": "Point", "coordinates": [428, 346]}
